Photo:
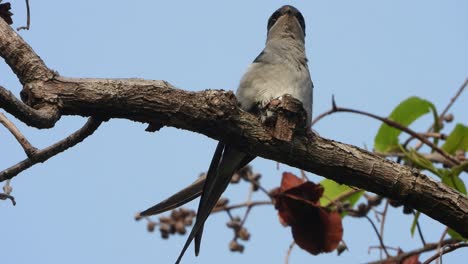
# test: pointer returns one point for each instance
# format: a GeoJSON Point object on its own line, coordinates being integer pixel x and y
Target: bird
{"type": "Point", "coordinates": [280, 68]}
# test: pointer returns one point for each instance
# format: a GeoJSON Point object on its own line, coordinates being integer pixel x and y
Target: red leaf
{"type": "Point", "coordinates": [289, 181]}
{"type": "Point", "coordinates": [412, 260]}
{"type": "Point", "coordinates": [314, 228]}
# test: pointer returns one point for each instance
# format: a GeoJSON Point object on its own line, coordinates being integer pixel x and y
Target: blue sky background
{"type": "Point", "coordinates": [78, 207]}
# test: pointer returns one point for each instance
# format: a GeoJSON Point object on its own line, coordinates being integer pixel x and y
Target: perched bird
{"type": "Point", "coordinates": [281, 68]}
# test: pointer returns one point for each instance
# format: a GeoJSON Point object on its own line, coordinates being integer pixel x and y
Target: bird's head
{"type": "Point", "coordinates": [286, 21]}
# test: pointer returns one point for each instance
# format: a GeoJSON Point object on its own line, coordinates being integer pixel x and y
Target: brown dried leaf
{"type": "Point", "coordinates": [314, 228]}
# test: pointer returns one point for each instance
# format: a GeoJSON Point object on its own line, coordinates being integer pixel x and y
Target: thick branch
{"type": "Point", "coordinates": [20, 57]}
{"type": "Point", "coordinates": [215, 114]}
{"type": "Point", "coordinates": [44, 118]}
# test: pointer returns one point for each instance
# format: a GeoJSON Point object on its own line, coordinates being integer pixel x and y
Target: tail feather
{"type": "Point", "coordinates": [180, 198]}
{"type": "Point", "coordinates": [215, 185]}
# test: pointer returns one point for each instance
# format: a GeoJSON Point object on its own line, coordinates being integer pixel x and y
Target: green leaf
{"type": "Point", "coordinates": [420, 161]}
{"type": "Point", "coordinates": [334, 190]}
{"type": "Point", "coordinates": [454, 182]}
{"type": "Point", "coordinates": [455, 235]}
{"type": "Point", "coordinates": [414, 224]}
{"type": "Point", "coordinates": [458, 139]}
{"type": "Point", "coordinates": [405, 113]}
{"type": "Point", "coordinates": [457, 170]}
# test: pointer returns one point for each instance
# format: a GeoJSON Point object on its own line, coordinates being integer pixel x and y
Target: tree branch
{"type": "Point", "coordinates": [216, 115]}
{"type": "Point", "coordinates": [43, 118]}
{"type": "Point", "coordinates": [43, 155]}
{"type": "Point", "coordinates": [20, 57]}
{"type": "Point", "coordinates": [27, 147]}
{"type": "Point", "coordinates": [400, 258]}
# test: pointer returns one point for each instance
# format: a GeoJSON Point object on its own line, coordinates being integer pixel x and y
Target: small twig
{"type": "Point", "coordinates": [453, 99]}
{"type": "Point", "coordinates": [28, 19]}
{"type": "Point", "coordinates": [447, 248]}
{"type": "Point", "coordinates": [439, 247]}
{"type": "Point", "coordinates": [444, 112]}
{"type": "Point", "coordinates": [341, 197]}
{"type": "Point", "coordinates": [27, 147]}
{"type": "Point", "coordinates": [382, 223]}
{"type": "Point", "coordinates": [241, 205]}
{"type": "Point", "coordinates": [400, 258]}
{"type": "Point", "coordinates": [434, 135]}
{"type": "Point", "coordinates": [433, 157]}
{"type": "Point", "coordinates": [380, 248]}
{"type": "Point", "coordinates": [288, 253]}
{"type": "Point", "coordinates": [418, 226]}
{"type": "Point", "coordinates": [304, 175]}
{"type": "Point", "coordinates": [378, 235]}
{"type": "Point", "coordinates": [44, 154]}
{"type": "Point", "coordinates": [393, 124]}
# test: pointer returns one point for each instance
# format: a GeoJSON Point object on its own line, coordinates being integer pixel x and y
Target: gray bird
{"type": "Point", "coordinates": [281, 68]}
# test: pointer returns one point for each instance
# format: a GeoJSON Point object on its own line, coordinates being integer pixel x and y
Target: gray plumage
{"type": "Point", "coordinates": [281, 68]}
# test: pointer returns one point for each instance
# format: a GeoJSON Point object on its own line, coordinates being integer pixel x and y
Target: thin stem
{"type": "Point", "coordinates": [45, 154]}
{"type": "Point", "coordinates": [27, 147]}
{"type": "Point", "coordinates": [418, 226]}
{"type": "Point", "coordinates": [288, 253]}
{"type": "Point", "coordinates": [378, 235]}
{"type": "Point", "coordinates": [453, 99]}
{"type": "Point", "coordinates": [241, 205]}
{"type": "Point", "coordinates": [447, 249]}
{"type": "Point", "coordinates": [400, 258]}
{"type": "Point", "coordinates": [28, 18]}
{"type": "Point", "coordinates": [392, 124]}
{"type": "Point", "coordinates": [382, 223]}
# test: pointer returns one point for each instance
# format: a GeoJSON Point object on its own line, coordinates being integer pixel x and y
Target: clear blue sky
{"type": "Point", "coordinates": [79, 206]}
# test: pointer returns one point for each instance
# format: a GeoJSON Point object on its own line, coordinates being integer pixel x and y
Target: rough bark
{"type": "Point", "coordinates": [215, 113]}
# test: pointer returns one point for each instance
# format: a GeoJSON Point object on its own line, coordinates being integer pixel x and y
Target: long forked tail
{"type": "Point", "coordinates": [224, 163]}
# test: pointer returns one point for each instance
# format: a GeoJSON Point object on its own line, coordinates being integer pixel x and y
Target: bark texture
{"type": "Point", "coordinates": [215, 113]}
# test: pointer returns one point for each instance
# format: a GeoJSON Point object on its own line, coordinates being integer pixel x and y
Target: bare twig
{"type": "Point", "coordinates": [400, 258]}
{"type": "Point", "coordinates": [241, 205]}
{"type": "Point", "coordinates": [382, 223]}
{"type": "Point", "coordinates": [44, 154]}
{"type": "Point", "coordinates": [418, 226]}
{"type": "Point", "coordinates": [378, 235]}
{"type": "Point", "coordinates": [447, 248]}
{"type": "Point", "coordinates": [434, 135]}
{"type": "Point", "coordinates": [288, 253]}
{"type": "Point", "coordinates": [391, 123]}
{"type": "Point", "coordinates": [439, 248]}
{"type": "Point", "coordinates": [444, 112]}
{"type": "Point", "coordinates": [28, 148]}
{"type": "Point", "coordinates": [433, 157]}
{"type": "Point", "coordinates": [453, 99]}
{"type": "Point", "coordinates": [28, 19]}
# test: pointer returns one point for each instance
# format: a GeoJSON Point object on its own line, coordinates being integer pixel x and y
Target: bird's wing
{"type": "Point", "coordinates": [216, 182]}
